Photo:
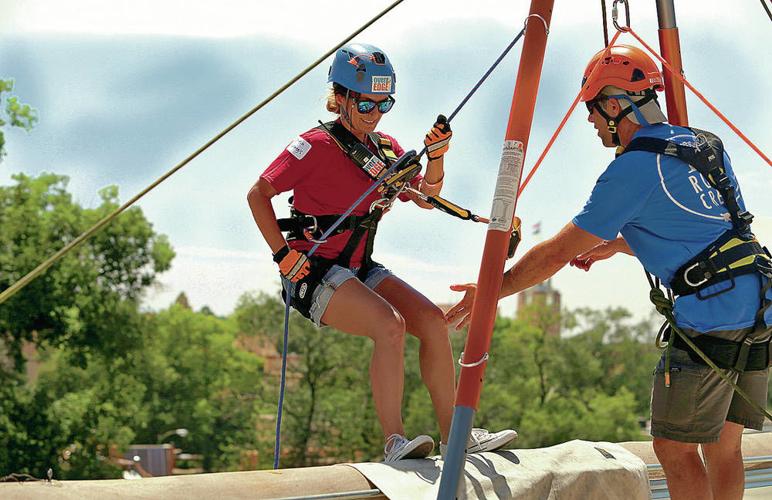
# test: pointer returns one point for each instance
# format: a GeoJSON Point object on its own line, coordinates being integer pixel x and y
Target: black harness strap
{"type": "Point", "coordinates": [374, 165]}
{"type": "Point", "coordinates": [304, 226]}
{"type": "Point", "coordinates": [725, 259]}
{"type": "Point", "coordinates": [706, 155]}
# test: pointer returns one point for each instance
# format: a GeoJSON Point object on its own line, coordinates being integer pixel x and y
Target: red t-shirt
{"type": "Point", "coordinates": [325, 181]}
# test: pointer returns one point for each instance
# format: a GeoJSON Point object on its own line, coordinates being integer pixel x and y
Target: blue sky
{"type": "Point", "coordinates": [125, 90]}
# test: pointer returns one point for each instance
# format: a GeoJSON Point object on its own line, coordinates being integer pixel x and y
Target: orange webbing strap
{"type": "Point", "coordinates": [589, 80]}
{"type": "Point", "coordinates": [700, 96]}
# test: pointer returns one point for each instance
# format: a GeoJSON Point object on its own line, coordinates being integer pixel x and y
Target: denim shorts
{"type": "Point", "coordinates": [324, 290]}
{"type": "Point", "coordinates": [698, 402]}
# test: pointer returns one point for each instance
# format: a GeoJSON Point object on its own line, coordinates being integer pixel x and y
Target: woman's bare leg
{"type": "Point", "coordinates": [426, 321]}
{"type": "Point", "coordinates": [357, 310]}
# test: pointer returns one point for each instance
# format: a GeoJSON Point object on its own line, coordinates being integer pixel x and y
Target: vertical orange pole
{"type": "Point", "coordinates": [670, 48]}
{"type": "Point", "coordinates": [504, 203]}
{"type": "Point", "coordinates": [496, 242]}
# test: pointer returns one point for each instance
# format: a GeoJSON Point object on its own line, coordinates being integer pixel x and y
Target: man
{"type": "Point", "coordinates": [668, 214]}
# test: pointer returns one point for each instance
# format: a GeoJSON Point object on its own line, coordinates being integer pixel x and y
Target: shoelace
{"type": "Point", "coordinates": [477, 435]}
{"type": "Point", "coordinates": [394, 442]}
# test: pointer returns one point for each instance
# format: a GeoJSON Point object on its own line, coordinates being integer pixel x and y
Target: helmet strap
{"type": "Point", "coordinates": [635, 106]}
{"type": "Point", "coordinates": [611, 122]}
{"type": "Point", "coordinates": [344, 110]}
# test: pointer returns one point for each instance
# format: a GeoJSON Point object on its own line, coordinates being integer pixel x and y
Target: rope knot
{"type": "Point", "coordinates": [660, 301]}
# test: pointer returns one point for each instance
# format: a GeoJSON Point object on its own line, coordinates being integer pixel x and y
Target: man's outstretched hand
{"type": "Point", "coordinates": [460, 314]}
{"type": "Point", "coordinates": [590, 257]}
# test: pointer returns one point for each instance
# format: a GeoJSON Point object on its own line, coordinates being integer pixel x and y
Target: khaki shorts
{"type": "Point", "coordinates": [698, 402]}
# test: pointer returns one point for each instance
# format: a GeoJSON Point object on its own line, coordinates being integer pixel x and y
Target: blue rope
{"type": "Point", "coordinates": [277, 444]}
{"type": "Point", "coordinates": [403, 160]}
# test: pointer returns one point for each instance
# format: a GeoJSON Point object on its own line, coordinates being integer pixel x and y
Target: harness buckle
{"type": "Point", "coordinates": [706, 276]}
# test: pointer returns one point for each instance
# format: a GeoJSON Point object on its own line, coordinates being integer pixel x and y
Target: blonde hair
{"type": "Point", "coordinates": [338, 89]}
{"type": "Point", "coordinates": [331, 104]}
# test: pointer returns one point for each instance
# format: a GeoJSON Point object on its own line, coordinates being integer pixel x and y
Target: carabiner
{"type": "Point", "coordinates": [615, 14]}
{"type": "Point", "coordinates": [309, 233]}
{"type": "Point", "coordinates": [382, 203]}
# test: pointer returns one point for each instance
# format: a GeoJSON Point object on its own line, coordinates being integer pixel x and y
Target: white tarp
{"type": "Point", "coordinates": [577, 470]}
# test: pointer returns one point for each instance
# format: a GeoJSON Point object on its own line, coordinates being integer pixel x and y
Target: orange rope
{"type": "Point", "coordinates": [590, 78]}
{"type": "Point", "coordinates": [701, 97]}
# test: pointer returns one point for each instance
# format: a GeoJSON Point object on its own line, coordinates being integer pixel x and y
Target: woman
{"type": "Point", "coordinates": [328, 168]}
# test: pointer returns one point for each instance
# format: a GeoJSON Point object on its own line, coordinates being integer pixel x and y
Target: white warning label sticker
{"type": "Point", "coordinates": [299, 147]}
{"type": "Point", "coordinates": [510, 170]}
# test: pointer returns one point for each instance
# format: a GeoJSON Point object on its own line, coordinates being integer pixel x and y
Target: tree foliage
{"type": "Point", "coordinates": [112, 375]}
{"type": "Point", "coordinates": [81, 299]}
{"type": "Point", "coordinates": [13, 113]}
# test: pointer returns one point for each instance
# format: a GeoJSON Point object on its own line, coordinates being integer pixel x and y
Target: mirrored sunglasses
{"type": "Point", "coordinates": [365, 106]}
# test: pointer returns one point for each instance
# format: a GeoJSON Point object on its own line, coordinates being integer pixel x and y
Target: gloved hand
{"type": "Point", "coordinates": [293, 265]}
{"type": "Point", "coordinates": [437, 141]}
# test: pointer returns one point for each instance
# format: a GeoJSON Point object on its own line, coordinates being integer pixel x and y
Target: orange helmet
{"type": "Point", "coordinates": [626, 67]}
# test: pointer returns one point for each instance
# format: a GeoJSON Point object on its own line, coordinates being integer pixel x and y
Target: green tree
{"type": "Point", "coordinates": [13, 113]}
{"type": "Point", "coordinates": [80, 301]}
{"type": "Point", "coordinates": [185, 371]}
{"type": "Point", "coordinates": [82, 313]}
{"type": "Point", "coordinates": [588, 384]}
{"type": "Point", "coordinates": [198, 378]}
{"type": "Point", "coordinates": [328, 409]}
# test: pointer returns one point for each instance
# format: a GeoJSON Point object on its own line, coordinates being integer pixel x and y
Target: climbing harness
{"type": "Point", "coordinates": [301, 226]}
{"type": "Point", "coordinates": [734, 253]}
{"type": "Point", "coordinates": [401, 164]}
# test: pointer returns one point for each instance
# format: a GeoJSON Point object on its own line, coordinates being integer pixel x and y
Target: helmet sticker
{"type": "Point", "coordinates": [381, 84]}
{"type": "Point", "coordinates": [299, 147]}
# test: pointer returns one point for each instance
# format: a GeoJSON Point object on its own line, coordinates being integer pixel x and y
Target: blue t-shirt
{"type": "Point", "coordinates": [668, 213]}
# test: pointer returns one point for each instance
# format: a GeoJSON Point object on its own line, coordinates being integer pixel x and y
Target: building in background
{"type": "Point", "coordinates": [540, 306]}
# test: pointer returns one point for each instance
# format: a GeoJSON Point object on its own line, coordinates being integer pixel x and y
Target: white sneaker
{"type": "Point", "coordinates": [481, 440]}
{"type": "Point", "coordinates": [399, 447]}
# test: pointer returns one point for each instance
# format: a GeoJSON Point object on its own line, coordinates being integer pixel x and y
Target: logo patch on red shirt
{"type": "Point", "coordinates": [299, 148]}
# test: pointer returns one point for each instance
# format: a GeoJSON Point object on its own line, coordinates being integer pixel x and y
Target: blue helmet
{"type": "Point", "coordinates": [363, 68]}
